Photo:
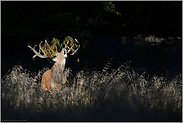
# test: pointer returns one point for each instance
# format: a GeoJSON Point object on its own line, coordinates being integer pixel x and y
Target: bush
{"type": "Point", "coordinates": [108, 95]}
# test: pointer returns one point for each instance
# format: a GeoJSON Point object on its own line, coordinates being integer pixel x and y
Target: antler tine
{"type": "Point", "coordinates": [38, 53]}
{"type": "Point", "coordinates": [75, 50]}
{"type": "Point", "coordinates": [66, 44]}
{"type": "Point", "coordinates": [40, 48]}
{"type": "Point", "coordinates": [76, 40]}
{"type": "Point", "coordinates": [69, 49]}
{"type": "Point", "coordinates": [73, 46]}
{"type": "Point", "coordinates": [55, 53]}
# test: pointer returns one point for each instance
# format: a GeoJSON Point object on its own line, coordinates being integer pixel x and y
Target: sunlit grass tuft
{"type": "Point", "coordinates": [107, 95]}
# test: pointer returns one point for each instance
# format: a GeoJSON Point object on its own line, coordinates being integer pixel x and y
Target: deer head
{"type": "Point", "coordinates": [57, 75]}
{"type": "Point", "coordinates": [60, 59]}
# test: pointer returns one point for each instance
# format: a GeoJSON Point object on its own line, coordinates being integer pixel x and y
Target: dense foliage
{"type": "Point", "coordinates": [82, 19]}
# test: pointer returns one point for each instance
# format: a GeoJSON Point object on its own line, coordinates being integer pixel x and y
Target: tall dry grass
{"type": "Point", "coordinates": [107, 95]}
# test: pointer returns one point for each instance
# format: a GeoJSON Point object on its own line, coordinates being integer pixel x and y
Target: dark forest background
{"type": "Point", "coordinates": [82, 19]}
{"type": "Point", "coordinates": [96, 25]}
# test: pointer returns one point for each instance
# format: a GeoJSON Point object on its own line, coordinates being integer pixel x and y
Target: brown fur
{"type": "Point", "coordinates": [57, 75]}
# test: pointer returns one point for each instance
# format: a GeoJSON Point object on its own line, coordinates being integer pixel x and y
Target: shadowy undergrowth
{"type": "Point", "coordinates": [107, 95]}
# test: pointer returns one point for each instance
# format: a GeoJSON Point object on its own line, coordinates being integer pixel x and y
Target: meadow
{"type": "Point", "coordinates": [120, 94]}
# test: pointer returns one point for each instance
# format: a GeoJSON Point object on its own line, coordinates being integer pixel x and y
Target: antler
{"type": "Point", "coordinates": [51, 51]}
{"type": "Point", "coordinates": [38, 53]}
{"type": "Point", "coordinates": [74, 45]}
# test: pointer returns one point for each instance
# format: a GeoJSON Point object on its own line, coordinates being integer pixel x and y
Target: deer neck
{"type": "Point", "coordinates": [60, 65]}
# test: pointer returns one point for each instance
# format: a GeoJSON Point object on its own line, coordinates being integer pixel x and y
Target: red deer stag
{"type": "Point", "coordinates": [57, 75]}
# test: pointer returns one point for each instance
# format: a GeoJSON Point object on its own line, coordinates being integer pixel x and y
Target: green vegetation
{"type": "Point", "coordinates": [50, 49]}
{"type": "Point", "coordinates": [107, 95]}
{"type": "Point", "coordinates": [83, 19]}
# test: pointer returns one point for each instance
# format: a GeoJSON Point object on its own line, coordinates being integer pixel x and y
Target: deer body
{"type": "Point", "coordinates": [57, 75]}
